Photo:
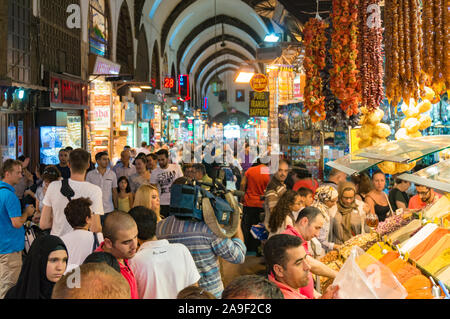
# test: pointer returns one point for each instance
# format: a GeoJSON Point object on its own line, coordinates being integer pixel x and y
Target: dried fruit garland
{"type": "Point", "coordinates": [336, 117]}
{"type": "Point", "coordinates": [345, 82]}
{"type": "Point", "coordinates": [370, 53]}
{"type": "Point", "coordinates": [314, 62]}
{"type": "Point", "coordinates": [436, 46]}
{"type": "Point", "coordinates": [403, 43]}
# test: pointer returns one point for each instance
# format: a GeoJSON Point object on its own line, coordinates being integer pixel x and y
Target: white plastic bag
{"type": "Point", "coordinates": [376, 281]}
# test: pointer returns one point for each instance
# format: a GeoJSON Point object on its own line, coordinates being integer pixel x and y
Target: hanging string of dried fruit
{"type": "Point", "coordinates": [314, 62]}
{"type": "Point", "coordinates": [436, 45]}
{"type": "Point", "coordinates": [403, 42]}
{"type": "Point", "coordinates": [345, 82]}
{"type": "Point", "coordinates": [370, 39]}
{"type": "Point", "coordinates": [336, 117]}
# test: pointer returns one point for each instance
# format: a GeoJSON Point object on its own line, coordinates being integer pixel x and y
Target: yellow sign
{"type": "Point", "coordinates": [259, 82]}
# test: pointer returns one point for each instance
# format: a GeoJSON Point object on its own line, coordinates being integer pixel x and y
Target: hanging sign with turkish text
{"type": "Point", "coordinates": [259, 82]}
{"type": "Point", "coordinates": [259, 104]}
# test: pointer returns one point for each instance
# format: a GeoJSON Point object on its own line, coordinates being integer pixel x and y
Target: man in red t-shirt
{"type": "Point", "coordinates": [289, 268]}
{"type": "Point", "coordinates": [120, 232]}
{"type": "Point", "coordinates": [307, 226]}
{"type": "Point", "coordinates": [425, 196]}
{"type": "Point", "coordinates": [303, 178]}
{"type": "Point", "coordinates": [254, 184]}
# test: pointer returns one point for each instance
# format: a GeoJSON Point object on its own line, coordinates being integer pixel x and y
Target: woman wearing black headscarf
{"type": "Point", "coordinates": [43, 267]}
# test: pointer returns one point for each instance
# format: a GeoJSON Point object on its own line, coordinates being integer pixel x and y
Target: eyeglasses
{"type": "Point", "coordinates": [423, 193]}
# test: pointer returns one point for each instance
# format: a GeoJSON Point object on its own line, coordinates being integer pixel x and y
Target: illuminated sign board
{"type": "Point", "coordinates": [183, 87]}
{"type": "Point", "coordinates": [169, 83]}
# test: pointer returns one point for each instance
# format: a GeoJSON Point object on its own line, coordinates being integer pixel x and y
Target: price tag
{"type": "Point", "coordinates": [436, 221]}
{"type": "Point", "coordinates": [421, 215]}
{"type": "Point", "coordinates": [406, 257]}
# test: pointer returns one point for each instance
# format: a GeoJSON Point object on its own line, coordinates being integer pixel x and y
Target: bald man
{"type": "Point", "coordinates": [124, 166]}
{"type": "Point", "coordinates": [120, 232]}
{"type": "Point", "coordinates": [97, 281]}
{"type": "Point", "coordinates": [336, 177]}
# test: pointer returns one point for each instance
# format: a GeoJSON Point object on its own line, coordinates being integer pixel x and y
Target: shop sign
{"type": "Point", "coordinates": [20, 138]}
{"type": "Point", "coordinates": [259, 104]}
{"type": "Point", "coordinates": [105, 67]}
{"type": "Point", "coordinates": [299, 86]}
{"type": "Point", "coordinates": [259, 82]}
{"type": "Point", "coordinates": [12, 141]}
{"type": "Point", "coordinates": [101, 118]}
{"type": "Point", "coordinates": [68, 92]}
{"type": "Point", "coordinates": [183, 87]}
{"type": "Point", "coordinates": [169, 83]}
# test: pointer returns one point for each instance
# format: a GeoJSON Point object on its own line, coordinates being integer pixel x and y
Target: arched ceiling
{"type": "Point", "coordinates": [207, 35]}
{"type": "Point", "coordinates": [192, 29]}
{"type": "Point", "coordinates": [221, 70]}
{"type": "Point", "coordinates": [211, 71]}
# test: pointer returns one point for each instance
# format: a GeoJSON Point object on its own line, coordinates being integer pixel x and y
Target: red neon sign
{"type": "Point", "coordinates": [183, 87]}
{"type": "Point", "coordinates": [169, 83]}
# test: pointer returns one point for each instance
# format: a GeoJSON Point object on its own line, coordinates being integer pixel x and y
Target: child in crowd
{"type": "Point", "coordinates": [306, 195]}
{"type": "Point", "coordinates": [125, 196]}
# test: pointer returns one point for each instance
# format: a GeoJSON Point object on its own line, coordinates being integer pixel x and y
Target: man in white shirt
{"type": "Point", "coordinates": [55, 202]}
{"type": "Point", "coordinates": [161, 269]}
{"type": "Point", "coordinates": [143, 149]}
{"type": "Point", "coordinates": [163, 177]}
{"type": "Point", "coordinates": [106, 179]}
{"type": "Point", "coordinates": [80, 242]}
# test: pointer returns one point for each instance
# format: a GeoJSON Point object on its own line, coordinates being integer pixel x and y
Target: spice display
{"type": "Point", "coordinates": [365, 260]}
{"type": "Point", "coordinates": [428, 243]}
{"type": "Point", "coordinates": [376, 250]}
{"type": "Point", "coordinates": [421, 235]}
{"type": "Point", "coordinates": [345, 82]}
{"type": "Point", "coordinates": [370, 54]}
{"type": "Point", "coordinates": [314, 62]}
{"type": "Point", "coordinates": [440, 263]}
{"type": "Point", "coordinates": [406, 272]}
{"type": "Point", "coordinates": [389, 257]}
{"type": "Point", "coordinates": [434, 251]}
{"type": "Point", "coordinates": [418, 287]}
{"type": "Point", "coordinates": [444, 276]}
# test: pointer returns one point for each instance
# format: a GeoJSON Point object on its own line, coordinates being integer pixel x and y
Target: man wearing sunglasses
{"type": "Point", "coordinates": [425, 197]}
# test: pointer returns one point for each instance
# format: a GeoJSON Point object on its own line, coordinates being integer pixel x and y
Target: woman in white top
{"type": "Point", "coordinates": [80, 242]}
{"type": "Point", "coordinates": [325, 200]}
{"type": "Point", "coordinates": [285, 212]}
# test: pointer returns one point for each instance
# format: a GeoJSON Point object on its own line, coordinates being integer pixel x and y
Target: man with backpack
{"type": "Point", "coordinates": [59, 193]}
{"type": "Point", "coordinates": [12, 233]}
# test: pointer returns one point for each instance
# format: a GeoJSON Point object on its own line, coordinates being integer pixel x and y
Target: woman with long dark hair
{"type": "Point", "coordinates": [285, 212]}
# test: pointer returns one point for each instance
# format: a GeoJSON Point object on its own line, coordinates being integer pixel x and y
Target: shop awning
{"type": "Point", "coordinates": [23, 85]}
{"type": "Point", "coordinates": [436, 176]}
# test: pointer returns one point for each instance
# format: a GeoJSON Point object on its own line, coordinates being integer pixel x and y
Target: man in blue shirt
{"type": "Point", "coordinates": [12, 233]}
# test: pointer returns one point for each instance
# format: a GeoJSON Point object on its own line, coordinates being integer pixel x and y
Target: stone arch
{"type": "Point", "coordinates": [142, 71]}
{"type": "Point", "coordinates": [155, 71]}
{"type": "Point", "coordinates": [124, 47]}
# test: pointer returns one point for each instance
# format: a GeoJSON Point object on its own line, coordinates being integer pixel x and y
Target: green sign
{"type": "Point", "coordinates": [259, 104]}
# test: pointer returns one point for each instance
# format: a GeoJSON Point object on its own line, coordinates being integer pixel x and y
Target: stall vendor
{"type": "Point", "coordinates": [425, 196]}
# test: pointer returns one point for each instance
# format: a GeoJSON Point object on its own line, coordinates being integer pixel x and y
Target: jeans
{"type": "Point", "coordinates": [250, 217]}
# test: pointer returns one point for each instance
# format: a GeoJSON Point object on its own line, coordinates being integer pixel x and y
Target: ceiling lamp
{"type": "Point", "coordinates": [272, 38]}
{"type": "Point", "coordinates": [245, 74]}
{"type": "Point", "coordinates": [146, 87]}
{"type": "Point", "coordinates": [135, 89]}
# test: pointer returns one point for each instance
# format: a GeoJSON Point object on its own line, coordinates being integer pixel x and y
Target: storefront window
{"type": "Point", "coordinates": [98, 29]}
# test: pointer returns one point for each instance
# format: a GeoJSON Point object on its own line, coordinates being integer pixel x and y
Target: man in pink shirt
{"type": "Point", "coordinates": [425, 196]}
{"type": "Point", "coordinates": [120, 232]}
{"type": "Point", "coordinates": [307, 226]}
{"type": "Point", "coordinates": [286, 259]}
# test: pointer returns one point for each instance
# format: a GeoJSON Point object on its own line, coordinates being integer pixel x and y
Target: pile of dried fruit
{"type": "Point", "coordinates": [392, 223]}
{"type": "Point", "coordinates": [364, 241]}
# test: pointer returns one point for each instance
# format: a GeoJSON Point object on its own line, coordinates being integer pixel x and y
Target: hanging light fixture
{"type": "Point", "coordinates": [216, 82]}
{"type": "Point", "coordinates": [245, 74]}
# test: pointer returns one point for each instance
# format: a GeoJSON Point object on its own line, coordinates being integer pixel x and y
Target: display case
{"type": "Point", "coordinates": [436, 176]}
{"type": "Point", "coordinates": [404, 151]}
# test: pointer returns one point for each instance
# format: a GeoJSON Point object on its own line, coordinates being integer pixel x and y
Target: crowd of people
{"type": "Point", "coordinates": [111, 225]}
